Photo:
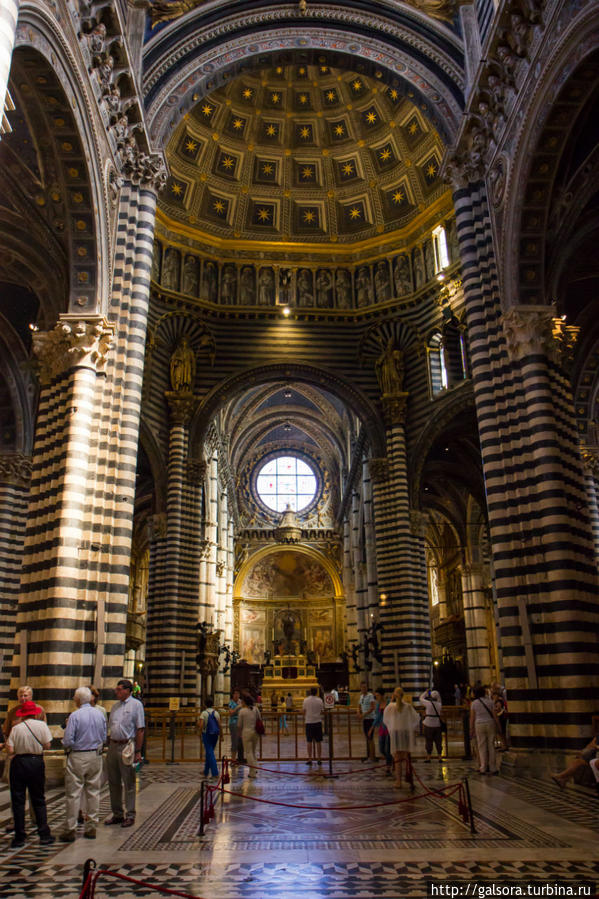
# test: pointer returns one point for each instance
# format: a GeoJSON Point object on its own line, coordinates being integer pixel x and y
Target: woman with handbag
{"type": "Point", "coordinates": [249, 715]}
{"type": "Point", "coordinates": [432, 723]}
{"type": "Point", "coordinates": [484, 725]}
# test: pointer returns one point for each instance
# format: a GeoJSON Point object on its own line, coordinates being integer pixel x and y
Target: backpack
{"type": "Point", "coordinates": [212, 725]}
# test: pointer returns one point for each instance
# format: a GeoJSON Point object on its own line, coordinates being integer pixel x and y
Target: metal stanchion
{"type": "Point", "coordinates": [469, 801]}
{"type": "Point", "coordinates": [331, 750]}
{"type": "Point", "coordinates": [88, 867]}
{"type": "Point", "coordinates": [202, 800]}
{"type": "Point", "coordinates": [172, 736]}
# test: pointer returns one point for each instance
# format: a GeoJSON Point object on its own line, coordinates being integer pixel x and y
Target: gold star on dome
{"type": "Point", "coordinates": [176, 188]}
{"type": "Point", "coordinates": [307, 172]}
{"type": "Point", "coordinates": [275, 98]}
{"type": "Point", "coordinates": [271, 130]}
{"type": "Point", "coordinates": [302, 71]}
{"type": "Point", "coordinates": [324, 70]}
{"type": "Point", "coordinates": [247, 94]}
{"type": "Point", "coordinates": [207, 109]}
{"type": "Point", "coordinates": [398, 196]}
{"type": "Point", "coordinates": [305, 132]}
{"type": "Point", "coordinates": [348, 168]}
{"type": "Point", "coordinates": [219, 207]}
{"type": "Point", "coordinates": [237, 123]}
{"type": "Point", "coordinates": [267, 169]}
{"type": "Point", "coordinates": [413, 128]}
{"type": "Point", "coordinates": [263, 215]}
{"type": "Point", "coordinates": [309, 216]}
{"type": "Point", "coordinates": [191, 146]}
{"type": "Point", "coordinates": [339, 130]}
{"type": "Point", "coordinates": [385, 154]}
{"type": "Point", "coordinates": [431, 170]}
{"type": "Point", "coordinates": [227, 162]}
{"type": "Point", "coordinates": [357, 85]}
{"type": "Point", "coordinates": [303, 98]}
{"type": "Point", "coordinates": [354, 213]}
{"type": "Point", "coordinates": [371, 118]}
{"type": "Point", "coordinates": [331, 96]}
{"type": "Point", "coordinates": [393, 93]}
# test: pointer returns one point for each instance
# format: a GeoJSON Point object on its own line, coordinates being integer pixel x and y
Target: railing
{"type": "Point", "coordinates": [175, 736]}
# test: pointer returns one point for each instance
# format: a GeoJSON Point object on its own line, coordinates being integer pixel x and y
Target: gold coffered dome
{"type": "Point", "coordinates": [306, 154]}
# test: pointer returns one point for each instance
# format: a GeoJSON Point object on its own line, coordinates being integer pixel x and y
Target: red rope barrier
{"type": "Point", "coordinates": [93, 876]}
{"type": "Point", "coordinates": [308, 773]}
{"type": "Point", "coordinates": [339, 808]}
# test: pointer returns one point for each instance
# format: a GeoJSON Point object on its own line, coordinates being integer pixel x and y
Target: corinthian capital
{"type": "Point", "coordinates": [182, 404]}
{"type": "Point", "coordinates": [15, 468]}
{"type": "Point", "coordinates": [528, 331]}
{"type": "Point", "coordinates": [379, 470]}
{"type": "Point", "coordinates": [394, 408]}
{"type": "Point", "coordinates": [74, 342]}
{"type": "Point", "coordinates": [590, 460]}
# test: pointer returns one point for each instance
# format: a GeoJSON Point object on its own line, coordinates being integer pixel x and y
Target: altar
{"type": "Point", "coordinates": [288, 674]}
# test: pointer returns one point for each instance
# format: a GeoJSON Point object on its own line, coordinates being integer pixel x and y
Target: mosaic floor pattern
{"type": "Point", "coordinates": [524, 831]}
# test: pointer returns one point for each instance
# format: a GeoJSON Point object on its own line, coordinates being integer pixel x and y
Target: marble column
{"type": "Point", "coordinates": [9, 11]}
{"type": "Point", "coordinates": [476, 624]}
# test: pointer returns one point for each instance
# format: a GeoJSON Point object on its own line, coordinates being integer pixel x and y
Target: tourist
{"type": "Point", "coordinates": [587, 756]}
{"type": "Point", "coordinates": [283, 717]}
{"type": "Point", "coordinates": [248, 716]}
{"type": "Point", "coordinates": [24, 694]}
{"type": "Point", "coordinates": [484, 725]}
{"type": "Point", "coordinates": [432, 724]}
{"type": "Point", "coordinates": [126, 725]}
{"type": "Point", "coordinates": [210, 731]}
{"type": "Point", "coordinates": [234, 709]}
{"type": "Point", "coordinates": [83, 739]}
{"type": "Point", "coordinates": [28, 738]}
{"type": "Point", "coordinates": [313, 708]}
{"type": "Point", "coordinates": [366, 706]}
{"type": "Point", "coordinates": [379, 727]}
{"type": "Point", "coordinates": [402, 721]}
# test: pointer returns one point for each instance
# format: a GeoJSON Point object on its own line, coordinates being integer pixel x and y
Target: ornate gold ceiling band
{"type": "Point", "coordinates": [390, 242]}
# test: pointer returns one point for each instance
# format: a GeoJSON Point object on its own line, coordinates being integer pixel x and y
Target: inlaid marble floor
{"type": "Point", "coordinates": [526, 830]}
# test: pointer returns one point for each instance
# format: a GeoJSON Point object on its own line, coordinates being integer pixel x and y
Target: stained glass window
{"type": "Point", "coordinates": [286, 480]}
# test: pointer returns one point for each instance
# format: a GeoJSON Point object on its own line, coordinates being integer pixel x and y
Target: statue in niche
{"type": "Point", "coordinates": [418, 268]}
{"type": "Point", "coordinates": [304, 288]}
{"type": "Point", "coordinates": [183, 367]}
{"type": "Point", "coordinates": [363, 287]}
{"type": "Point", "coordinates": [390, 369]}
{"type": "Point", "coordinates": [210, 282]}
{"type": "Point", "coordinates": [189, 283]}
{"type": "Point", "coordinates": [266, 287]}
{"type": "Point", "coordinates": [429, 260]}
{"type": "Point", "coordinates": [247, 286]}
{"type": "Point", "coordinates": [228, 286]}
{"type": "Point", "coordinates": [156, 260]}
{"type": "Point", "coordinates": [285, 281]}
{"type": "Point", "coordinates": [381, 282]}
{"type": "Point", "coordinates": [343, 288]}
{"type": "Point", "coordinates": [170, 270]}
{"type": "Point", "coordinates": [402, 276]}
{"type": "Point", "coordinates": [324, 283]}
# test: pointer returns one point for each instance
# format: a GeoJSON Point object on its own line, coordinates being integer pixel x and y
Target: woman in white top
{"type": "Point", "coordinates": [484, 724]}
{"type": "Point", "coordinates": [246, 727]}
{"type": "Point", "coordinates": [432, 723]}
{"type": "Point", "coordinates": [401, 720]}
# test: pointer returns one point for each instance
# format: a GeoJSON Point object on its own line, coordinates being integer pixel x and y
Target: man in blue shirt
{"type": "Point", "coordinates": [84, 739]}
{"type": "Point", "coordinates": [126, 725]}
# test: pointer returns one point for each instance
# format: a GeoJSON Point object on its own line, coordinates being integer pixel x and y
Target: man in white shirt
{"type": "Point", "coordinates": [26, 742]}
{"type": "Point", "coordinates": [366, 707]}
{"type": "Point", "coordinates": [313, 708]}
{"type": "Point", "coordinates": [126, 725]}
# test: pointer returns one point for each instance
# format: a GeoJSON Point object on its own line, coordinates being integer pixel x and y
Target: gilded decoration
{"type": "Point", "coordinates": [287, 574]}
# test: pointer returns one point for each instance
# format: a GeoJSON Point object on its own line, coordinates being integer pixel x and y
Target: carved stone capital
{"type": "Point", "coordinates": [157, 526]}
{"type": "Point", "coordinates": [15, 468]}
{"type": "Point", "coordinates": [418, 522]}
{"type": "Point", "coordinates": [147, 170]}
{"type": "Point", "coordinates": [528, 331]}
{"type": "Point", "coordinates": [182, 405]}
{"type": "Point", "coordinates": [590, 460]}
{"type": "Point", "coordinates": [395, 406]}
{"type": "Point", "coordinates": [379, 470]}
{"type": "Point", "coordinates": [74, 342]}
{"type": "Point", "coordinates": [196, 472]}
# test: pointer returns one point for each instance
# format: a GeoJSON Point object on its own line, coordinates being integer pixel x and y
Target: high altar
{"type": "Point", "coordinates": [288, 674]}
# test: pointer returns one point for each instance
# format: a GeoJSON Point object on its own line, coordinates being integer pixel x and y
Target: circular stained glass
{"type": "Point", "coordinates": [286, 480]}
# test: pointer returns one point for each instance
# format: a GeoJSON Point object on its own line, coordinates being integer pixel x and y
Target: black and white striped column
{"type": "Point", "coordinates": [476, 625]}
{"type": "Point", "coordinates": [9, 10]}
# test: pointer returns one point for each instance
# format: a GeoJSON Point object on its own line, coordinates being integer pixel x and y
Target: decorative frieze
{"type": "Point", "coordinates": [73, 343]}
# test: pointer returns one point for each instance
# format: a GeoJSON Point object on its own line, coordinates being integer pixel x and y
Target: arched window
{"type": "Point", "coordinates": [437, 367]}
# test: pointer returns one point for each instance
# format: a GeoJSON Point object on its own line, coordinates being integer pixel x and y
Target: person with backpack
{"type": "Point", "coordinates": [210, 730]}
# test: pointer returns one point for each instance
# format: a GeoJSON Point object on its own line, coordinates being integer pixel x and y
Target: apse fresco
{"type": "Point", "coordinates": [287, 574]}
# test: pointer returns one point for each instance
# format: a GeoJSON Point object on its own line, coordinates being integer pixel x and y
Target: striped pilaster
{"type": "Point", "coordinates": [475, 620]}
{"type": "Point", "coordinates": [371, 610]}
{"type": "Point", "coordinates": [545, 572]}
{"type": "Point", "coordinates": [401, 567]}
{"type": "Point", "coordinates": [15, 472]}
{"type": "Point", "coordinates": [590, 458]}
{"type": "Point", "coordinates": [9, 10]}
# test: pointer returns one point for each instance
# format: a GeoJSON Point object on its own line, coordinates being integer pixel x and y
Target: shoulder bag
{"type": "Point", "coordinates": [259, 722]}
{"type": "Point", "coordinates": [442, 723]}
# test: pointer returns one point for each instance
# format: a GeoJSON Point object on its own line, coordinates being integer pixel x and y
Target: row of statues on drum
{"type": "Point", "coordinates": [323, 288]}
